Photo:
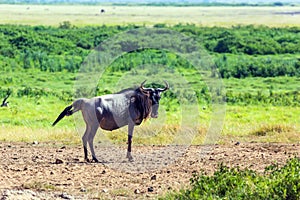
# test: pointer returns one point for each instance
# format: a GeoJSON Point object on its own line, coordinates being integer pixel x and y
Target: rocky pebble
{"type": "Point", "coordinates": [31, 195]}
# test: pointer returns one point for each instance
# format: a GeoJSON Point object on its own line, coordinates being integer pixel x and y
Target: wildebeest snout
{"type": "Point", "coordinates": [154, 113]}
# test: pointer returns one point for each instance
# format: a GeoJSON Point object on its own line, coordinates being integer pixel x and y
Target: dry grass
{"type": "Point", "coordinates": [29, 134]}
{"type": "Point", "coordinates": [276, 133]}
{"type": "Point", "coordinates": [245, 124]}
{"type": "Point", "coordinates": [261, 124]}
{"type": "Point", "coordinates": [80, 15]}
{"type": "Point", "coordinates": [39, 186]}
{"type": "Point", "coordinates": [272, 129]}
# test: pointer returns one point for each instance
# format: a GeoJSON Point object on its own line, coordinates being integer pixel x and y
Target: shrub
{"type": "Point", "coordinates": [234, 183]}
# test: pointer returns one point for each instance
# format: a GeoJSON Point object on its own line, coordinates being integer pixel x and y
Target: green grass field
{"type": "Point", "coordinates": [82, 15]}
{"type": "Point", "coordinates": [40, 95]}
{"type": "Point", "coordinates": [29, 118]}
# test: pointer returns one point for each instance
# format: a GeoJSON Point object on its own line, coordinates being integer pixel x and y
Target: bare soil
{"type": "Point", "coordinates": [56, 171]}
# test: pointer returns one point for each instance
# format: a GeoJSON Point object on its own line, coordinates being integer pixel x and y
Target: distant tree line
{"type": "Point", "coordinates": [149, 3]}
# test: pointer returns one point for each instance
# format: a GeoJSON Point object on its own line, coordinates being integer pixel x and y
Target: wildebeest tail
{"type": "Point", "coordinates": [62, 114]}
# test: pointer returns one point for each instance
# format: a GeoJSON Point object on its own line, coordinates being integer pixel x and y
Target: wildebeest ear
{"type": "Point", "coordinates": [145, 92]}
{"type": "Point", "coordinates": [132, 99]}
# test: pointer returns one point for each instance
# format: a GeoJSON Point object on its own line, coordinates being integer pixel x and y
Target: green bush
{"type": "Point", "coordinates": [233, 183]}
{"type": "Point", "coordinates": [238, 52]}
{"type": "Point", "coordinates": [47, 48]}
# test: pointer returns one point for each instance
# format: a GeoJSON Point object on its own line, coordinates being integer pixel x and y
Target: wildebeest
{"type": "Point", "coordinates": [127, 107]}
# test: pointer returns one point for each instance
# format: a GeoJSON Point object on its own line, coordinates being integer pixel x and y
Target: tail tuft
{"type": "Point", "coordinates": [62, 114]}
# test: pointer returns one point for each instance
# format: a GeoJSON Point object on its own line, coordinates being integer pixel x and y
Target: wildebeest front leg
{"type": "Point", "coordinates": [130, 133]}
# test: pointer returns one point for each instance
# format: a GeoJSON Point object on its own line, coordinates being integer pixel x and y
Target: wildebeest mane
{"type": "Point", "coordinates": [140, 106]}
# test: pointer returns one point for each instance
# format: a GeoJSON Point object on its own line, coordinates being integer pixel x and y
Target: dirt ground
{"type": "Point", "coordinates": [56, 171]}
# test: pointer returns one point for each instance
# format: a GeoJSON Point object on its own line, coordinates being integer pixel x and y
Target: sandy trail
{"type": "Point", "coordinates": [55, 171]}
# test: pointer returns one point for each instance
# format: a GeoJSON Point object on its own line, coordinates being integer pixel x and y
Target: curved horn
{"type": "Point", "coordinates": [142, 86]}
{"type": "Point", "coordinates": [166, 87]}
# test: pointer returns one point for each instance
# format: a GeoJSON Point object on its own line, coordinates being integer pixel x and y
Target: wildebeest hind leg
{"type": "Point", "coordinates": [91, 141]}
{"type": "Point", "coordinates": [84, 142]}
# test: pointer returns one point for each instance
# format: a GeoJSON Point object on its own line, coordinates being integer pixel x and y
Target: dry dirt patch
{"type": "Point", "coordinates": [55, 171]}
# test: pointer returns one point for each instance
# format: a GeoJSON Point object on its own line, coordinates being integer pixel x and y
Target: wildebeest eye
{"type": "Point", "coordinates": [155, 98]}
{"type": "Point", "coordinates": [157, 95]}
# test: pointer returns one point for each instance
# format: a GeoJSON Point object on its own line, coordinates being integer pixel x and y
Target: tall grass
{"type": "Point", "coordinates": [26, 121]}
{"type": "Point", "coordinates": [261, 124]}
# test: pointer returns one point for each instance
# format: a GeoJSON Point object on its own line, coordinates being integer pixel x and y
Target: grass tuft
{"type": "Point", "coordinates": [271, 129]}
{"type": "Point", "coordinates": [36, 185]}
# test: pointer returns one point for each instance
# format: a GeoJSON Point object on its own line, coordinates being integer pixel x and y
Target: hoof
{"type": "Point", "coordinates": [130, 158]}
{"type": "Point", "coordinates": [95, 160]}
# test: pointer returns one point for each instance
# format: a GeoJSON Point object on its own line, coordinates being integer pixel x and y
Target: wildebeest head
{"type": "Point", "coordinates": [154, 97]}
{"type": "Point", "coordinates": [145, 103]}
